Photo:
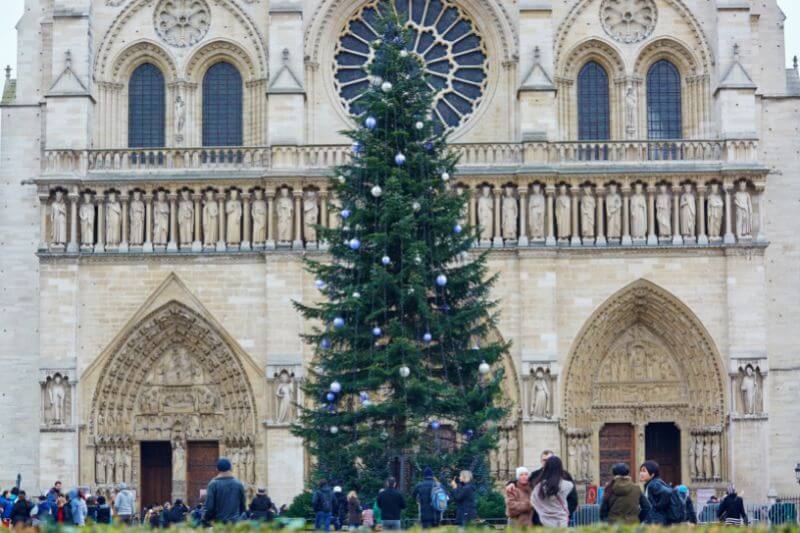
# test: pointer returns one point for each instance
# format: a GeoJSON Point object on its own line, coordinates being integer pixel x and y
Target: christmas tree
{"type": "Point", "coordinates": [401, 378]}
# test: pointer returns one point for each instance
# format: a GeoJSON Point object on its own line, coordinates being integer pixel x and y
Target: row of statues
{"type": "Point", "coordinates": [112, 465]}
{"type": "Point", "coordinates": [210, 220]}
{"type": "Point", "coordinates": [579, 453]}
{"type": "Point", "coordinates": [705, 462]}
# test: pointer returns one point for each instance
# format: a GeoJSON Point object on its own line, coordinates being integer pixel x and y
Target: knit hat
{"type": "Point", "coordinates": [522, 470]}
{"type": "Point", "coordinates": [428, 472]}
{"type": "Point", "coordinates": [683, 489]}
{"type": "Point", "coordinates": [262, 490]}
{"type": "Point", "coordinates": [224, 465]}
{"type": "Point", "coordinates": [337, 488]}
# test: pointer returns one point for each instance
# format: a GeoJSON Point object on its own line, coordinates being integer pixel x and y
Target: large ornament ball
{"type": "Point", "coordinates": [404, 53]}
{"type": "Point", "coordinates": [445, 176]}
{"type": "Point", "coordinates": [484, 368]}
{"type": "Point", "coordinates": [345, 214]}
{"type": "Point", "coordinates": [363, 396]}
{"type": "Point", "coordinates": [341, 179]}
{"type": "Point", "coordinates": [469, 433]}
{"type": "Point", "coordinates": [338, 322]}
{"type": "Point", "coordinates": [334, 430]}
{"type": "Point", "coordinates": [404, 371]}
{"type": "Point", "coordinates": [441, 280]}
{"type": "Point", "coordinates": [370, 123]}
{"type": "Point", "coordinates": [427, 337]}
{"type": "Point", "coordinates": [419, 125]}
{"type": "Point", "coordinates": [384, 435]}
{"type": "Point", "coordinates": [356, 295]}
{"type": "Point", "coordinates": [330, 396]}
{"type": "Point", "coordinates": [336, 387]}
{"type": "Point", "coordinates": [458, 228]}
{"type": "Point", "coordinates": [356, 148]}
{"type": "Point", "coordinates": [417, 260]}
{"type": "Point", "coordinates": [376, 191]}
{"type": "Point", "coordinates": [326, 344]}
{"type": "Point", "coordinates": [416, 206]}
{"type": "Point", "coordinates": [376, 81]}
{"type": "Point", "coordinates": [376, 331]}
{"type": "Point", "coordinates": [435, 425]}
{"type": "Point", "coordinates": [385, 260]}
{"type": "Point", "coordinates": [319, 284]}
{"type": "Point", "coordinates": [386, 86]}
{"type": "Point", "coordinates": [400, 159]}
{"type": "Point", "coordinates": [428, 145]}
{"type": "Point", "coordinates": [355, 244]}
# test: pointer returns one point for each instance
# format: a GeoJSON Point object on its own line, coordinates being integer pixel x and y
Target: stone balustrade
{"type": "Point", "coordinates": [265, 214]}
{"type": "Point", "coordinates": [320, 157]}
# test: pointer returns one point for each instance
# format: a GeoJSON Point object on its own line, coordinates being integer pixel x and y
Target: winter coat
{"type": "Point", "coordinates": [422, 493]}
{"type": "Point", "coordinates": [176, 515]}
{"type": "Point", "coordinates": [21, 512]}
{"type": "Point", "coordinates": [553, 510]}
{"type": "Point", "coordinates": [78, 508]}
{"type": "Point", "coordinates": [391, 504]}
{"type": "Point", "coordinates": [732, 507]}
{"type": "Point", "coordinates": [658, 494]}
{"type": "Point", "coordinates": [466, 504]}
{"type": "Point", "coordinates": [225, 499]}
{"type": "Point", "coordinates": [572, 497]}
{"type": "Point", "coordinates": [782, 513]}
{"type": "Point", "coordinates": [322, 500]}
{"type": "Point", "coordinates": [8, 505]}
{"type": "Point", "coordinates": [261, 508]}
{"type": "Point", "coordinates": [52, 496]}
{"type": "Point", "coordinates": [623, 502]}
{"type": "Point", "coordinates": [519, 508]}
{"type": "Point", "coordinates": [44, 511]}
{"type": "Point", "coordinates": [353, 512]}
{"type": "Point", "coordinates": [104, 514]}
{"type": "Point", "coordinates": [339, 506]}
{"type": "Point", "coordinates": [123, 503]}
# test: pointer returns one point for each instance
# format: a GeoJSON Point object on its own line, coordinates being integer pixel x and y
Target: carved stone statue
{"type": "Point", "coordinates": [137, 219]}
{"type": "Point", "coordinates": [563, 210]}
{"type": "Point", "coordinates": [586, 460]}
{"type": "Point", "coordinates": [485, 213]}
{"type": "Point", "coordinates": [210, 221]}
{"type": "Point", "coordinates": [233, 211]}
{"type": "Point", "coordinates": [572, 455]}
{"type": "Point", "coordinates": [160, 219]}
{"type": "Point", "coordinates": [540, 396]}
{"type": "Point", "coordinates": [706, 458]}
{"type": "Point", "coordinates": [638, 213]}
{"type": "Point", "coordinates": [698, 457]}
{"type": "Point", "coordinates": [113, 220]}
{"type": "Point", "coordinates": [185, 218]}
{"type": "Point", "coordinates": [284, 392]}
{"type": "Point", "coordinates": [613, 213]}
{"type": "Point", "coordinates": [588, 210]}
{"type": "Point", "coordinates": [688, 209]}
{"type": "Point", "coordinates": [110, 464]}
{"type": "Point", "coordinates": [664, 211]}
{"type": "Point", "coordinates": [57, 395]}
{"type": "Point", "coordinates": [259, 210]}
{"type": "Point", "coordinates": [536, 213]}
{"type": "Point", "coordinates": [510, 212]}
{"type": "Point", "coordinates": [716, 208]}
{"type": "Point", "coordinates": [715, 459]}
{"type": "Point", "coordinates": [285, 211]}
{"type": "Point", "coordinates": [180, 118]}
{"type": "Point", "coordinates": [692, 462]}
{"type": "Point", "coordinates": [58, 220]}
{"type": "Point", "coordinates": [86, 216]}
{"type": "Point", "coordinates": [630, 111]}
{"type": "Point", "coordinates": [744, 212]}
{"type": "Point", "coordinates": [310, 215]}
{"type": "Point", "coordinates": [99, 466]}
{"type": "Point", "coordinates": [750, 390]}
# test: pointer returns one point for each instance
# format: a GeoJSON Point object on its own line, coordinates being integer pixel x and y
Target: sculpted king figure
{"type": "Point", "coordinates": [744, 212]}
{"type": "Point", "coordinates": [259, 210]}
{"type": "Point", "coordinates": [233, 226]}
{"type": "Point", "coordinates": [185, 219]}
{"type": "Point", "coordinates": [716, 207]}
{"type": "Point", "coordinates": [664, 211]}
{"type": "Point", "coordinates": [750, 390]}
{"type": "Point", "coordinates": [86, 215]}
{"type": "Point", "coordinates": [285, 211]}
{"type": "Point", "coordinates": [113, 220]}
{"type": "Point", "coordinates": [160, 219]}
{"type": "Point", "coordinates": [58, 220]}
{"type": "Point", "coordinates": [510, 214]}
{"type": "Point", "coordinates": [588, 210]}
{"type": "Point", "coordinates": [613, 213]}
{"type": "Point", "coordinates": [563, 209]}
{"type": "Point", "coordinates": [638, 214]}
{"type": "Point", "coordinates": [310, 216]}
{"type": "Point", "coordinates": [688, 210]}
{"type": "Point", "coordinates": [284, 392]}
{"type": "Point", "coordinates": [210, 221]}
{"type": "Point", "coordinates": [536, 209]}
{"type": "Point", "coordinates": [57, 395]}
{"type": "Point", "coordinates": [137, 219]}
{"type": "Point", "coordinates": [540, 405]}
{"type": "Point", "coordinates": [485, 212]}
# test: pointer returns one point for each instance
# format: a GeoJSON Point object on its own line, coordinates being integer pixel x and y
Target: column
{"type": "Point", "coordinates": [270, 244]}
{"type": "Point", "coordinates": [575, 240]}
{"type": "Point", "coordinates": [497, 235]}
{"type": "Point", "coordinates": [44, 197]}
{"type": "Point", "coordinates": [197, 244]}
{"type": "Point", "coordinates": [323, 216]}
{"type": "Point", "coordinates": [221, 222]}
{"type": "Point", "coordinates": [702, 238]}
{"type": "Point", "coordinates": [600, 240]}
{"type": "Point", "coordinates": [626, 215]}
{"type": "Point", "coordinates": [677, 239]}
{"type": "Point", "coordinates": [297, 243]}
{"type": "Point", "coordinates": [760, 237]}
{"type": "Point", "coordinates": [99, 247]}
{"type": "Point", "coordinates": [729, 237]}
{"type": "Point", "coordinates": [473, 208]}
{"type": "Point", "coordinates": [246, 215]}
{"type": "Point", "coordinates": [123, 245]}
{"type": "Point", "coordinates": [550, 193]}
{"type": "Point", "coordinates": [651, 216]}
{"type": "Point", "coordinates": [148, 223]}
{"type": "Point", "coordinates": [172, 242]}
{"type": "Point", "coordinates": [72, 246]}
{"type": "Point", "coordinates": [523, 216]}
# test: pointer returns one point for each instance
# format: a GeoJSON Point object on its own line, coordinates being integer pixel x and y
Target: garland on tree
{"type": "Point", "coordinates": [401, 379]}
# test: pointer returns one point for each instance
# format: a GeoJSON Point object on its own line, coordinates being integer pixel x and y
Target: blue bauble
{"type": "Point", "coordinates": [326, 343]}
{"type": "Point", "coordinates": [363, 396]}
{"type": "Point", "coordinates": [385, 260]}
{"type": "Point", "coordinates": [345, 213]}
{"type": "Point", "coordinates": [458, 228]}
{"type": "Point", "coordinates": [469, 433]}
{"type": "Point", "coordinates": [434, 425]}
{"type": "Point", "coordinates": [356, 147]}
{"type": "Point", "coordinates": [376, 331]}
{"type": "Point", "coordinates": [319, 284]}
{"type": "Point", "coordinates": [428, 145]}
{"type": "Point", "coordinates": [355, 244]}
{"type": "Point", "coordinates": [427, 337]}
{"type": "Point", "coordinates": [441, 280]}
{"type": "Point", "coordinates": [370, 123]}
{"type": "Point", "coordinates": [338, 322]}
{"type": "Point", "coordinates": [330, 396]}
{"type": "Point", "coordinates": [400, 159]}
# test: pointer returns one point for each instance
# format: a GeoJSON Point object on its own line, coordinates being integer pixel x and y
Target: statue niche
{"type": "Point", "coordinates": [749, 386]}
{"type": "Point", "coordinates": [56, 401]}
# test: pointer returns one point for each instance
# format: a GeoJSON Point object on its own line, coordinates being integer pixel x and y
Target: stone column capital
{"type": "Point", "coordinates": [522, 189]}
{"type": "Point", "coordinates": [550, 190]}
{"type": "Point", "coordinates": [73, 197]}
{"type": "Point", "coordinates": [625, 189]}
{"type": "Point", "coordinates": [701, 189]}
{"type": "Point", "coordinates": [497, 191]}
{"type": "Point", "coordinates": [99, 197]}
{"type": "Point", "coordinates": [197, 196]}
{"type": "Point", "coordinates": [246, 195]}
{"type": "Point", "coordinates": [651, 189]}
{"type": "Point", "coordinates": [148, 196]}
{"type": "Point", "coordinates": [676, 188]}
{"type": "Point", "coordinates": [270, 193]}
{"type": "Point", "coordinates": [172, 197]}
{"type": "Point", "coordinates": [727, 185]}
{"type": "Point", "coordinates": [297, 193]}
{"type": "Point", "coordinates": [600, 190]}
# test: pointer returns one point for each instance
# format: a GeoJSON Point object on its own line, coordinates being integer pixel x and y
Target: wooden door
{"type": "Point", "coordinates": [156, 473]}
{"type": "Point", "coordinates": [201, 468]}
{"type": "Point", "coordinates": [617, 445]}
{"type": "Point", "coordinates": [662, 444]}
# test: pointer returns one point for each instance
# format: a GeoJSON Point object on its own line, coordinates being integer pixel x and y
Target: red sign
{"type": "Point", "coordinates": [591, 494]}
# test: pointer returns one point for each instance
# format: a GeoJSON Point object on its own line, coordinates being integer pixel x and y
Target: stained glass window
{"type": "Point", "coordinates": [593, 107]}
{"type": "Point", "coordinates": [664, 101]}
{"type": "Point", "coordinates": [222, 106]}
{"type": "Point", "coordinates": [146, 107]}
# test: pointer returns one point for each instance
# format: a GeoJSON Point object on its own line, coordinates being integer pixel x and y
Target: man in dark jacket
{"type": "Point", "coordinates": [339, 508]}
{"type": "Point", "coordinates": [391, 504]}
{"type": "Point", "coordinates": [21, 511]}
{"type": "Point", "coordinates": [225, 500]}
{"type": "Point", "coordinates": [54, 493]}
{"type": "Point", "coordinates": [262, 508]}
{"type": "Point", "coordinates": [656, 491]}
{"type": "Point", "coordinates": [322, 503]}
{"type": "Point", "coordinates": [177, 515]}
{"type": "Point", "coordinates": [623, 501]}
{"type": "Point", "coordinates": [572, 497]}
{"type": "Point", "coordinates": [428, 516]}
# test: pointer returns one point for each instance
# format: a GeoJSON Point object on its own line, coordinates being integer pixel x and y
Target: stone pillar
{"type": "Point", "coordinates": [246, 216]}
{"type": "Point", "coordinates": [473, 208]}
{"type": "Point", "coordinates": [99, 246]}
{"type": "Point", "coordinates": [702, 238]}
{"type": "Point", "coordinates": [172, 242]}
{"type": "Point", "coordinates": [221, 247]}
{"type": "Point", "coordinates": [575, 239]}
{"type": "Point", "coordinates": [760, 237]}
{"type": "Point", "coordinates": [729, 237]}
{"type": "Point", "coordinates": [148, 223]}
{"type": "Point", "coordinates": [297, 243]}
{"type": "Point", "coordinates": [179, 468]}
{"type": "Point", "coordinates": [523, 216]}
{"type": "Point", "coordinates": [652, 239]}
{"type": "Point", "coordinates": [197, 243]}
{"type": "Point", "coordinates": [626, 215]}
{"type": "Point", "coordinates": [497, 237]}
{"type": "Point", "coordinates": [72, 246]}
{"type": "Point", "coordinates": [600, 240]}
{"type": "Point", "coordinates": [123, 245]}
{"type": "Point", "coordinates": [550, 192]}
{"type": "Point", "coordinates": [270, 244]}
{"type": "Point", "coordinates": [44, 197]}
{"type": "Point", "coordinates": [323, 216]}
{"type": "Point", "coordinates": [677, 238]}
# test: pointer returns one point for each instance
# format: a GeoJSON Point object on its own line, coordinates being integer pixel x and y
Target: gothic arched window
{"type": "Point", "coordinates": [222, 106]}
{"type": "Point", "coordinates": [664, 101]}
{"type": "Point", "coordinates": [146, 107]}
{"type": "Point", "coordinates": [593, 107]}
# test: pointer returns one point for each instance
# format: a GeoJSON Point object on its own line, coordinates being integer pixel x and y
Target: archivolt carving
{"type": "Point", "coordinates": [667, 48]}
{"type": "Point", "coordinates": [141, 52]}
{"type": "Point", "coordinates": [642, 356]}
{"type": "Point", "coordinates": [220, 50]}
{"type": "Point", "coordinates": [592, 49]}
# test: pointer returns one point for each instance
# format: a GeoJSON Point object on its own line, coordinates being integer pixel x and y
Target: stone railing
{"type": "Point", "coordinates": [208, 215]}
{"type": "Point", "coordinates": [321, 157]}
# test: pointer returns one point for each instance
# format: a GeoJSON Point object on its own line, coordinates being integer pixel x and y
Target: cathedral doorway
{"type": "Point", "coordinates": [617, 445]}
{"type": "Point", "coordinates": [156, 459]}
{"type": "Point", "coordinates": [201, 468]}
{"type": "Point", "coordinates": [662, 444]}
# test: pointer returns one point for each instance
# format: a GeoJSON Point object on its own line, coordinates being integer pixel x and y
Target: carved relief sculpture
{"type": "Point", "coordinates": [113, 220]}
{"type": "Point", "coordinates": [160, 219]}
{"type": "Point", "coordinates": [716, 472]}
{"type": "Point", "coordinates": [259, 210]}
{"type": "Point", "coordinates": [233, 222]}
{"type": "Point", "coordinates": [586, 460]}
{"type": "Point", "coordinates": [137, 219]}
{"type": "Point", "coordinates": [210, 221]}
{"type": "Point", "coordinates": [588, 210]}
{"type": "Point", "coordinates": [510, 212]}
{"type": "Point", "coordinates": [99, 466]}
{"type": "Point", "coordinates": [180, 118]}
{"type": "Point", "coordinates": [563, 210]}
{"type": "Point", "coordinates": [186, 219]}
{"type": "Point", "coordinates": [628, 21]}
{"type": "Point", "coordinates": [698, 458]}
{"type": "Point", "coordinates": [716, 207]}
{"type": "Point", "coordinates": [692, 461]}
{"type": "Point", "coordinates": [630, 111]}
{"type": "Point", "coordinates": [182, 22]}
{"type": "Point", "coordinates": [540, 396]}
{"type": "Point", "coordinates": [485, 214]}
{"type": "Point", "coordinates": [750, 390]}
{"type": "Point", "coordinates": [613, 213]}
{"type": "Point", "coordinates": [310, 215]}
{"type": "Point", "coordinates": [285, 394]}
{"type": "Point", "coordinates": [638, 214]}
{"type": "Point", "coordinates": [536, 209]}
{"type": "Point", "coordinates": [664, 211]}
{"type": "Point", "coordinates": [285, 211]}
{"type": "Point", "coordinates": [706, 458]}
{"type": "Point", "coordinates": [86, 215]}
{"type": "Point", "coordinates": [57, 396]}
{"type": "Point", "coordinates": [687, 210]}
{"type": "Point", "coordinates": [744, 212]}
{"type": "Point", "coordinates": [58, 220]}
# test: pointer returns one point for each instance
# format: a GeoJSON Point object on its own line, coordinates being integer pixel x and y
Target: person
{"type": "Point", "coordinates": [21, 510]}
{"type": "Point", "coordinates": [225, 499]}
{"type": "Point", "coordinates": [465, 498]}
{"type": "Point", "coordinates": [153, 517]}
{"type": "Point", "coordinates": [550, 491]}
{"type": "Point", "coordinates": [197, 515]}
{"type": "Point", "coordinates": [338, 508]}
{"type": "Point", "coordinates": [43, 511]}
{"type": "Point", "coordinates": [62, 516]}
{"type": "Point", "coordinates": [423, 494]}
{"type": "Point", "coordinates": [623, 500]}
{"type": "Point", "coordinates": [77, 506]}
{"type": "Point", "coordinates": [391, 504]}
{"type": "Point", "coordinates": [322, 503]}
{"type": "Point", "coordinates": [262, 508]}
{"type": "Point", "coordinates": [368, 517]}
{"type": "Point", "coordinates": [124, 504]}
{"type": "Point", "coordinates": [656, 491]}
{"type": "Point", "coordinates": [91, 509]}
{"type": "Point", "coordinates": [54, 493]}
{"type": "Point", "coordinates": [10, 499]}
{"type": "Point", "coordinates": [731, 509]}
{"type": "Point", "coordinates": [165, 517]}
{"type": "Point", "coordinates": [103, 515]}
{"type": "Point", "coordinates": [572, 498]}
{"type": "Point", "coordinates": [353, 510]}
{"type": "Point", "coordinates": [5, 506]}
{"type": "Point", "coordinates": [690, 515]}
{"type": "Point", "coordinates": [519, 508]}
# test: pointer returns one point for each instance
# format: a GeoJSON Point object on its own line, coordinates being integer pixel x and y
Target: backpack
{"type": "Point", "coordinates": [676, 512]}
{"type": "Point", "coordinates": [439, 498]}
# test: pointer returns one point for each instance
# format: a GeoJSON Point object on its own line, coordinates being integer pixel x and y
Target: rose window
{"type": "Point", "coordinates": [441, 36]}
{"type": "Point", "coordinates": [628, 21]}
{"type": "Point", "coordinates": [182, 22]}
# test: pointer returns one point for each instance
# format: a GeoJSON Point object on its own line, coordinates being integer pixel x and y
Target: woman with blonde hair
{"type": "Point", "coordinates": [464, 497]}
{"type": "Point", "coordinates": [353, 511]}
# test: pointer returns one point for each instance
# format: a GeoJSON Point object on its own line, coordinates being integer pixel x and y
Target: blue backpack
{"type": "Point", "coordinates": [439, 498]}
{"type": "Point", "coordinates": [676, 512]}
